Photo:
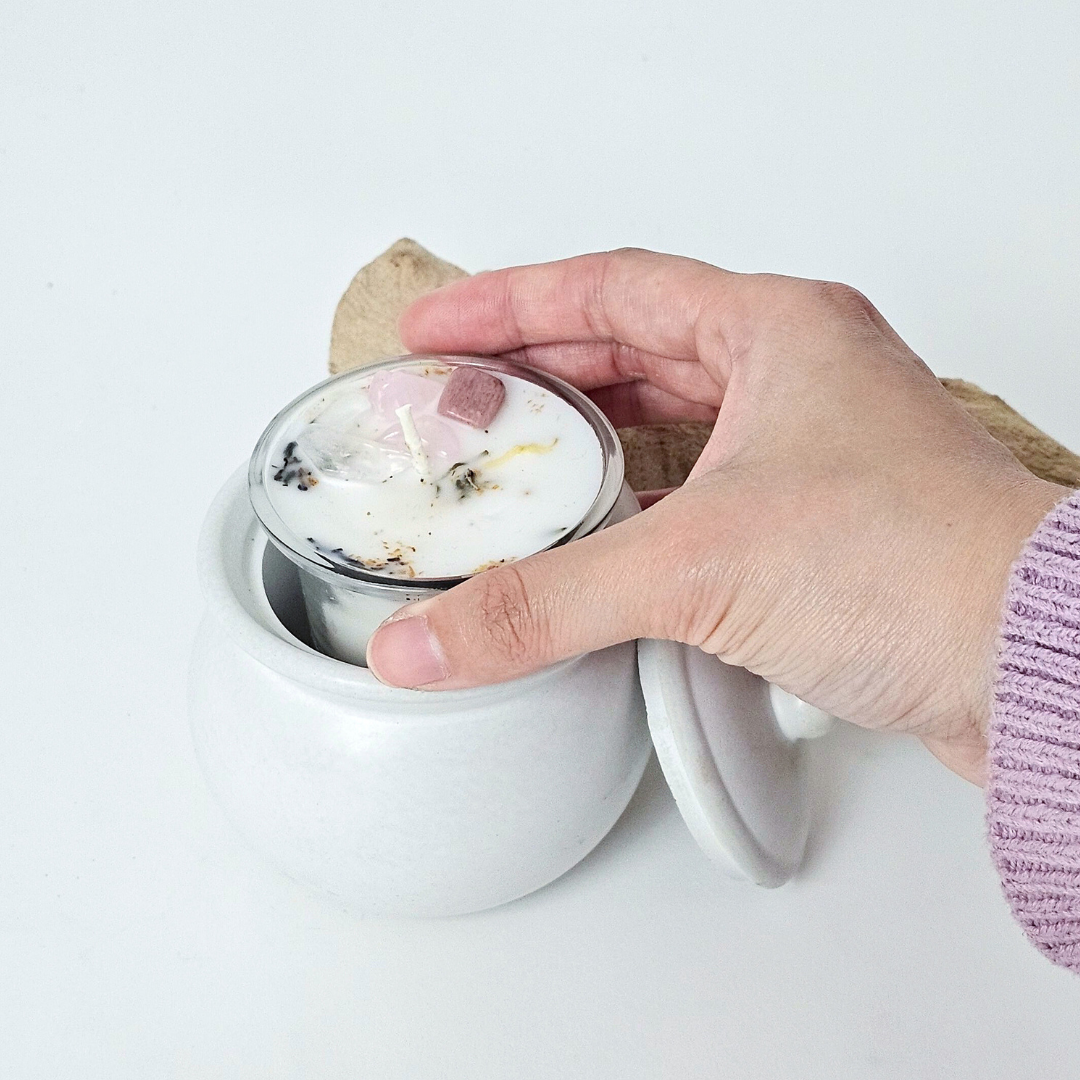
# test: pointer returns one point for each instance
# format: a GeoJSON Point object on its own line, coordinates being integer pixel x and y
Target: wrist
{"type": "Point", "coordinates": [1004, 518]}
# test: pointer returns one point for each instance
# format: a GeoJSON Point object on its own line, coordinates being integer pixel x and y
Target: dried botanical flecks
{"type": "Point", "coordinates": [464, 478]}
{"type": "Point", "coordinates": [400, 558]}
{"type": "Point", "coordinates": [293, 472]}
{"type": "Point", "coordinates": [467, 478]}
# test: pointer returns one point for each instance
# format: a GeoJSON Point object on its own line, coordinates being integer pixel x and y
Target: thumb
{"type": "Point", "coordinates": [613, 586]}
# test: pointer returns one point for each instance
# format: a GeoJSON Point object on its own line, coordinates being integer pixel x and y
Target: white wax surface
{"type": "Point", "coordinates": [535, 473]}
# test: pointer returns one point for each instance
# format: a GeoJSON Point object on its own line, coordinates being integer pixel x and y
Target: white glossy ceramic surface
{"type": "Point", "coordinates": [398, 801]}
{"type": "Point", "coordinates": [796, 718]}
{"type": "Point", "coordinates": [735, 772]}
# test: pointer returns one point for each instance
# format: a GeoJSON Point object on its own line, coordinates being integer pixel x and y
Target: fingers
{"type": "Point", "coordinates": [652, 390]}
{"type": "Point", "coordinates": [592, 364]}
{"type": "Point", "coordinates": [656, 303]}
{"type": "Point", "coordinates": [627, 404]}
{"type": "Point", "coordinates": [515, 619]}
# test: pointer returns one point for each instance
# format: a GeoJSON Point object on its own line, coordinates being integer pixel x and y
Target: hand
{"type": "Point", "coordinates": [846, 534]}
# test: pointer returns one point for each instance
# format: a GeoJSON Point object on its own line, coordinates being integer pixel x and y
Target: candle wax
{"type": "Point", "coordinates": [341, 476]}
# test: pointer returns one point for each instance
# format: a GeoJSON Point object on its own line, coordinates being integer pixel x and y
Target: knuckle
{"type": "Point", "coordinates": [594, 299]}
{"type": "Point", "coordinates": [629, 254]}
{"type": "Point", "coordinates": [843, 300]}
{"type": "Point", "coordinates": [506, 618]}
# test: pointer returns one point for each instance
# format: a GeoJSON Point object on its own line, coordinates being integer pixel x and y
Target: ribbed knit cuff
{"type": "Point", "coordinates": [1033, 783]}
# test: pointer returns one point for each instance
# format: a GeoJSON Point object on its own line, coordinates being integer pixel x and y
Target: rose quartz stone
{"type": "Point", "coordinates": [389, 390]}
{"type": "Point", "coordinates": [472, 396]}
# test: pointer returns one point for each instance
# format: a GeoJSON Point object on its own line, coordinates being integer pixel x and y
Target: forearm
{"type": "Point", "coordinates": [1033, 780]}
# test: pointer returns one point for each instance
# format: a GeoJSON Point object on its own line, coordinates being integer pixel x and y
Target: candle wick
{"type": "Point", "coordinates": [413, 442]}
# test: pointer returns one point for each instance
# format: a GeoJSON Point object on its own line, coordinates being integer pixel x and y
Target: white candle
{"type": "Point", "coordinates": [364, 476]}
{"type": "Point", "coordinates": [350, 487]}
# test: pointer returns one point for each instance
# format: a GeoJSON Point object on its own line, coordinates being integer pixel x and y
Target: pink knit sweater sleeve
{"type": "Point", "coordinates": [1033, 785]}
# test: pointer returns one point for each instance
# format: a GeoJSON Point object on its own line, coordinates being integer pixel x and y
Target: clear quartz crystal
{"type": "Point", "coordinates": [337, 451]}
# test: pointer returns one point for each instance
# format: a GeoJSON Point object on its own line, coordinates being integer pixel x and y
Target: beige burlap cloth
{"type": "Point", "coordinates": [657, 455]}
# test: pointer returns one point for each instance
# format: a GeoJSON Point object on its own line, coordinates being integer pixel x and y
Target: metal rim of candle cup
{"type": "Point", "coordinates": [292, 546]}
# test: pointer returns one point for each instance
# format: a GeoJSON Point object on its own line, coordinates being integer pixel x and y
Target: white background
{"type": "Point", "coordinates": [185, 190]}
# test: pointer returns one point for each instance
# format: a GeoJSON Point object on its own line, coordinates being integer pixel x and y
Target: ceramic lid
{"type": "Point", "coordinates": [728, 744]}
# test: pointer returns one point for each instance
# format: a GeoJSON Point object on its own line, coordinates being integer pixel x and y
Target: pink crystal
{"type": "Point", "coordinates": [472, 396]}
{"type": "Point", "coordinates": [389, 390]}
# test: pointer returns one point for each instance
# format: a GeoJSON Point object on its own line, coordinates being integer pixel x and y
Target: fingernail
{"type": "Point", "coordinates": [404, 652]}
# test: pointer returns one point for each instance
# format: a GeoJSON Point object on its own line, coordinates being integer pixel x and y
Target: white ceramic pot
{"type": "Point", "coordinates": [398, 801]}
{"type": "Point", "coordinates": [409, 803]}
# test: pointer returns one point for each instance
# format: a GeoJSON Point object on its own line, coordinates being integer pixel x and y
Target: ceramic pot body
{"type": "Point", "coordinates": [398, 802]}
